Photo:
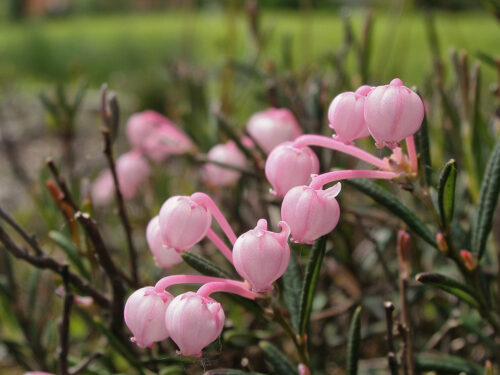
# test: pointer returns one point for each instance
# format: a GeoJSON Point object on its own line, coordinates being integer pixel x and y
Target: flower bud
{"type": "Point", "coordinates": [167, 139]}
{"type": "Point", "coordinates": [132, 171]}
{"type": "Point", "coordinates": [469, 260]}
{"type": "Point", "coordinates": [392, 113]}
{"type": "Point", "coordinates": [310, 213]}
{"type": "Point", "coordinates": [183, 222]}
{"type": "Point", "coordinates": [272, 127]}
{"type": "Point", "coordinates": [141, 125]}
{"type": "Point", "coordinates": [193, 322]}
{"type": "Point", "coordinates": [103, 189]}
{"type": "Point", "coordinates": [288, 166]}
{"type": "Point", "coordinates": [346, 117]}
{"type": "Point", "coordinates": [145, 315]}
{"type": "Point", "coordinates": [260, 256]}
{"type": "Point", "coordinates": [227, 153]}
{"type": "Point", "coordinates": [164, 256]}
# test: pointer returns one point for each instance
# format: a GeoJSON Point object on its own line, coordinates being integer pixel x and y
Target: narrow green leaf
{"type": "Point", "coordinates": [354, 343]}
{"type": "Point", "coordinates": [292, 288]}
{"type": "Point", "coordinates": [394, 205]}
{"type": "Point", "coordinates": [423, 149]}
{"type": "Point", "coordinates": [204, 266]}
{"type": "Point", "coordinates": [446, 192]}
{"type": "Point", "coordinates": [172, 370]}
{"type": "Point", "coordinates": [490, 188]}
{"type": "Point", "coordinates": [449, 285]}
{"type": "Point", "coordinates": [168, 360]}
{"type": "Point", "coordinates": [310, 281]}
{"type": "Point", "coordinates": [447, 365]}
{"type": "Point", "coordinates": [69, 248]}
{"type": "Point", "coordinates": [280, 363]}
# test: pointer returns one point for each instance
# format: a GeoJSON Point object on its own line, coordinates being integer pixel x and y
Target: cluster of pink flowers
{"type": "Point", "coordinates": [151, 136]}
{"type": "Point", "coordinates": [390, 114]}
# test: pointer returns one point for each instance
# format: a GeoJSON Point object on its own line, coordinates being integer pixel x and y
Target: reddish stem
{"type": "Point", "coordinates": [167, 281]}
{"type": "Point", "coordinates": [219, 243]}
{"type": "Point", "coordinates": [412, 153]}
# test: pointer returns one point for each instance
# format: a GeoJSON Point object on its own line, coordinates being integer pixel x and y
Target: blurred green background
{"type": "Point", "coordinates": [127, 43]}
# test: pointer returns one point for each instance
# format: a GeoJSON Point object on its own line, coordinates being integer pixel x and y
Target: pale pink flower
{"type": "Point", "coordinates": [346, 117]}
{"type": "Point", "coordinates": [274, 126]}
{"type": "Point", "coordinates": [132, 171]}
{"type": "Point", "coordinates": [103, 189]}
{"type": "Point", "coordinates": [310, 213]}
{"type": "Point", "coordinates": [227, 153]}
{"type": "Point", "coordinates": [144, 315]}
{"type": "Point", "coordinates": [193, 322]}
{"type": "Point", "coordinates": [288, 166]}
{"type": "Point", "coordinates": [141, 125]}
{"type": "Point", "coordinates": [364, 90]}
{"type": "Point", "coordinates": [261, 256]}
{"type": "Point", "coordinates": [167, 139]}
{"type": "Point", "coordinates": [164, 256]}
{"type": "Point", "coordinates": [392, 113]}
{"type": "Point", "coordinates": [183, 222]}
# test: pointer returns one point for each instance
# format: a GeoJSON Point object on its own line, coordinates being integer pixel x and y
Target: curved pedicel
{"type": "Point", "coordinates": [320, 180]}
{"type": "Point", "coordinates": [223, 286]}
{"type": "Point", "coordinates": [167, 281]}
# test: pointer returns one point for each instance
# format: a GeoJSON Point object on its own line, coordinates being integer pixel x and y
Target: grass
{"type": "Point", "coordinates": [123, 47]}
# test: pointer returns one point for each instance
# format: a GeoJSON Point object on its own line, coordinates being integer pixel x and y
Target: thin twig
{"type": "Point", "coordinates": [391, 357]}
{"type": "Point", "coordinates": [31, 240]}
{"type": "Point", "coordinates": [63, 324]}
{"type": "Point", "coordinates": [45, 262]}
{"type": "Point", "coordinates": [110, 120]}
{"type": "Point", "coordinates": [122, 211]}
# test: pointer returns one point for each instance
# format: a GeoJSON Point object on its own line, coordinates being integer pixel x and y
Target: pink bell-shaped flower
{"type": "Point", "coordinates": [193, 322]}
{"type": "Point", "coordinates": [310, 213]}
{"type": "Point", "coordinates": [132, 172]}
{"type": "Point", "coordinates": [392, 113]}
{"type": "Point", "coordinates": [144, 315]}
{"type": "Point", "coordinates": [260, 256]}
{"type": "Point", "coordinates": [346, 117]}
{"type": "Point", "coordinates": [164, 256]}
{"type": "Point", "coordinates": [363, 90]}
{"type": "Point", "coordinates": [228, 153]}
{"type": "Point", "coordinates": [288, 166]}
{"type": "Point", "coordinates": [141, 125]}
{"type": "Point", "coordinates": [183, 222]}
{"type": "Point", "coordinates": [165, 140]}
{"type": "Point", "coordinates": [103, 189]}
{"type": "Point", "coordinates": [274, 126]}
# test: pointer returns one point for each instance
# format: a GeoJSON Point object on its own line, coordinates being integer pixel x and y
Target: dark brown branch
{"type": "Point", "coordinates": [61, 182]}
{"type": "Point", "coordinates": [391, 357]}
{"type": "Point", "coordinates": [45, 262]}
{"type": "Point", "coordinates": [31, 240]}
{"type": "Point", "coordinates": [110, 120]}
{"type": "Point", "coordinates": [63, 324]}
{"type": "Point", "coordinates": [122, 210]}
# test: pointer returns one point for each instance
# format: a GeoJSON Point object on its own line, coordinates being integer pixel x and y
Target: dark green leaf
{"type": "Point", "coordinates": [292, 288]}
{"type": "Point", "coordinates": [447, 365]}
{"type": "Point", "coordinates": [278, 360]}
{"type": "Point", "coordinates": [172, 370]}
{"type": "Point", "coordinates": [169, 360]}
{"type": "Point", "coordinates": [490, 188]}
{"type": "Point", "coordinates": [69, 248]}
{"type": "Point", "coordinates": [446, 193]}
{"type": "Point", "coordinates": [422, 145]}
{"type": "Point", "coordinates": [394, 205]}
{"type": "Point", "coordinates": [310, 281]}
{"type": "Point", "coordinates": [354, 343]}
{"type": "Point", "coordinates": [449, 285]}
{"type": "Point", "coordinates": [204, 266]}
{"type": "Point", "coordinates": [240, 338]}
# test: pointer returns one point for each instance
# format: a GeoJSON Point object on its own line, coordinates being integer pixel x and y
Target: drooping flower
{"type": "Point", "coordinates": [132, 172]}
{"type": "Point", "coordinates": [227, 153]}
{"type": "Point", "coordinates": [164, 256]}
{"type": "Point", "coordinates": [167, 139]}
{"type": "Point", "coordinates": [346, 117]}
{"type": "Point", "coordinates": [261, 256]}
{"type": "Point", "coordinates": [392, 113]}
{"type": "Point", "coordinates": [141, 125]}
{"type": "Point", "coordinates": [310, 213]}
{"type": "Point", "coordinates": [288, 166]}
{"type": "Point", "coordinates": [144, 315]}
{"type": "Point", "coordinates": [274, 126]}
{"type": "Point", "coordinates": [193, 322]}
{"type": "Point", "coordinates": [183, 222]}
